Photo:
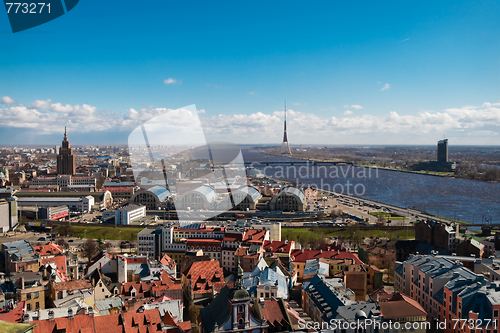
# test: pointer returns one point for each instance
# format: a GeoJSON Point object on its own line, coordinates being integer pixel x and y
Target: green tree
{"type": "Point", "coordinates": [363, 256]}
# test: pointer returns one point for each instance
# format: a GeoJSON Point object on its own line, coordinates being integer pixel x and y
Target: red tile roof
{"type": "Point", "coordinates": [203, 274]}
{"type": "Point", "coordinates": [72, 285]}
{"type": "Point", "coordinates": [401, 306]}
{"type": "Point", "coordinates": [241, 251]}
{"type": "Point", "coordinates": [204, 229]}
{"type": "Point", "coordinates": [278, 246]}
{"type": "Point", "coordinates": [117, 188]}
{"type": "Point", "coordinates": [304, 255]}
{"type": "Point", "coordinates": [61, 264]}
{"type": "Point", "coordinates": [135, 259]}
{"type": "Point", "coordinates": [381, 294]}
{"type": "Point", "coordinates": [151, 288]}
{"type": "Point", "coordinates": [15, 315]}
{"type": "Point", "coordinates": [254, 236]}
{"type": "Point", "coordinates": [167, 261]}
{"type": "Point", "coordinates": [49, 249]}
{"type": "Point", "coordinates": [233, 237]}
{"type": "Point", "coordinates": [141, 288]}
{"type": "Point", "coordinates": [73, 325]}
{"type": "Point", "coordinates": [185, 326]}
{"type": "Point", "coordinates": [275, 313]}
{"type": "Point", "coordinates": [148, 321]}
{"type": "Point", "coordinates": [166, 279]}
{"type": "Point", "coordinates": [193, 241]}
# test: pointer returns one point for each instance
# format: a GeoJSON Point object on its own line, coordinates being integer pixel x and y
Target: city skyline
{"type": "Point", "coordinates": [370, 74]}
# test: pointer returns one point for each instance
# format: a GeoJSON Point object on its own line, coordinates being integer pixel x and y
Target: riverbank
{"type": "Point", "coordinates": [397, 210]}
{"type": "Point", "coordinates": [423, 172]}
{"type": "Point", "coordinates": [312, 159]}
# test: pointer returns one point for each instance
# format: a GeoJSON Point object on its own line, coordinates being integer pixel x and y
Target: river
{"type": "Point", "coordinates": [461, 199]}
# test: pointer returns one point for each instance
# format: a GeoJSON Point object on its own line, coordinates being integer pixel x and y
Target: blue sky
{"type": "Point", "coordinates": [238, 61]}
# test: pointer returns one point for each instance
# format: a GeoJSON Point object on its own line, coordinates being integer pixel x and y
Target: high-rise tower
{"type": "Point", "coordinates": [66, 159]}
{"type": "Point", "coordinates": [285, 146]}
{"type": "Point", "coordinates": [442, 150]}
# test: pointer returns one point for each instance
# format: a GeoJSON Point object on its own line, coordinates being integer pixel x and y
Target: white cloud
{"type": "Point", "coordinates": [385, 87]}
{"type": "Point", "coordinates": [251, 93]}
{"type": "Point", "coordinates": [56, 107]}
{"type": "Point", "coordinates": [40, 104]}
{"type": "Point", "coordinates": [356, 107]}
{"type": "Point", "coordinates": [471, 124]}
{"type": "Point", "coordinates": [7, 100]}
{"type": "Point", "coordinates": [170, 81]}
{"type": "Point", "coordinates": [404, 40]}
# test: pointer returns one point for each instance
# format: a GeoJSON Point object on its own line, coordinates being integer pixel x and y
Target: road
{"type": "Point", "coordinates": [410, 215]}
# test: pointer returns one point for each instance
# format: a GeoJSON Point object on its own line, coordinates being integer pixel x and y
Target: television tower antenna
{"type": "Point", "coordinates": [285, 146]}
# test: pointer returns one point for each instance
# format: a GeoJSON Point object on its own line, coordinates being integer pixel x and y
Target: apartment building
{"type": "Point", "coordinates": [449, 292]}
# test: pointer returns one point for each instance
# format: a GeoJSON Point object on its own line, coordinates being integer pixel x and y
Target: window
{"type": "Point", "coordinates": [495, 313]}
{"type": "Point", "coordinates": [36, 294]}
{"type": "Point", "coordinates": [28, 296]}
{"type": "Point", "coordinates": [28, 307]}
{"type": "Point", "coordinates": [241, 322]}
{"type": "Point", "coordinates": [241, 308]}
{"type": "Point", "coordinates": [37, 305]}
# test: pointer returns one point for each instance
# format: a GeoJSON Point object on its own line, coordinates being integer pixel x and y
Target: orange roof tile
{"type": "Point", "coordinates": [202, 273]}
{"type": "Point", "coordinates": [401, 306]}
{"type": "Point", "coordinates": [304, 255]}
{"type": "Point", "coordinates": [15, 315]}
{"type": "Point", "coordinates": [73, 325]}
{"type": "Point", "coordinates": [48, 249]}
{"type": "Point", "coordinates": [72, 285]}
{"type": "Point", "coordinates": [274, 313]}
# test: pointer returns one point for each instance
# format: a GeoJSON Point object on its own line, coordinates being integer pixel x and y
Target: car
{"type": "Point", "coordinates": [70, 240]}
{"type": "Point", "coordinates": [42, 239]}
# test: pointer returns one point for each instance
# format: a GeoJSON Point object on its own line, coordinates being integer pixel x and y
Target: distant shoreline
{"type": "Point", "coordinates": [380, 168]}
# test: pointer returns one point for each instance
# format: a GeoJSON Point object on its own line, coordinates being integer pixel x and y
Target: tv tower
{"type": "Point", "coordinates": [285, 146]}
